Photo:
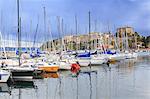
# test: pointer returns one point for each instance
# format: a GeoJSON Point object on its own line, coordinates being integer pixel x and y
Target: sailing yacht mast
{"type": "Point", "coordinates": [89, 30]}
{"type": "Point", "coordinates": [19, 21]}
{"type": "Point", "coordinates": [59, 31]}
{"type": "Point", "coordinates": [51, 38]}
{"type": "Point", "coordinates": [95, 31]}
{"type": "Point", "coordinates": [2, 42]}
{"type": "Point", "coordinates": [89, 33]}
{"type": "Point", "coordinates": [76, 27]}
{"type": "Point", "coordinates": [45, 39]}
{"type": "Point", "coordinates": [63, 47]}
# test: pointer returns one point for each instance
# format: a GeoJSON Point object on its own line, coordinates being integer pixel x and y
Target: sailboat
{"type": "Point", "coordinates": [91, 58]}
{"type": "Point", "coordinates": [115, 55]}
{"type": "Point", "coordinates": [4, 75]}
{"type": "Point", "coordinates": [20, 72]}
{"type": "Point", "coordinates": [128, 54]}
{"type": "Point", "coordinates": [84, 59]}
{"type": "Point", "coordinates": [44, 64]}
{"type": "Point", "coordinates": [63, 62]}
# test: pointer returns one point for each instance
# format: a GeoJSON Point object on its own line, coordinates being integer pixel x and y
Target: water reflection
{"type": "Point", "coordinates": [49, 75]}
{"type": "Point", "coordinates": [5, 88]}
{"type": "Point", "coordinates": [15, 90]}
{"type": "Point", "coordinates": [127, 79]}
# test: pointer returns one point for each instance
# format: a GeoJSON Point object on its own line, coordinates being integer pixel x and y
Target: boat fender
{"type": "Point", "coordinates": [75, 68]}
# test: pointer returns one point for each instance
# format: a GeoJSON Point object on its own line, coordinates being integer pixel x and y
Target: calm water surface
{"type": "Point", "coordinates": [128, 79]}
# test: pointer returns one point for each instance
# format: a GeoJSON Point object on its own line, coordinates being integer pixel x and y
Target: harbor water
{"type": "Point", "coordinates": [127, 79]}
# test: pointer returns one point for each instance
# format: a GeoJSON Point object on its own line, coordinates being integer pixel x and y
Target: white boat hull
{"type": "Point", "coordinates": [98, 60]}
{"type": "Point", "coordinates": [20, 73]}
{"type": "Point", "coordinates": [116, 57]}
{"type": "Point", "coordinates": [23, 78]}
{"type": "Point", "coordinates": [83, 62]}
{"type": "Point", "coordinates": [131, 55]}
{"type": "Point", "coordinates": [4, 76]}
{"type": "Point", "coordinates": [64, 66]}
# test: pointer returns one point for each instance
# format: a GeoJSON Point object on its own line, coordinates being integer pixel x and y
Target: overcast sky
{"type": "Point", "coordinates": [104, 13]}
